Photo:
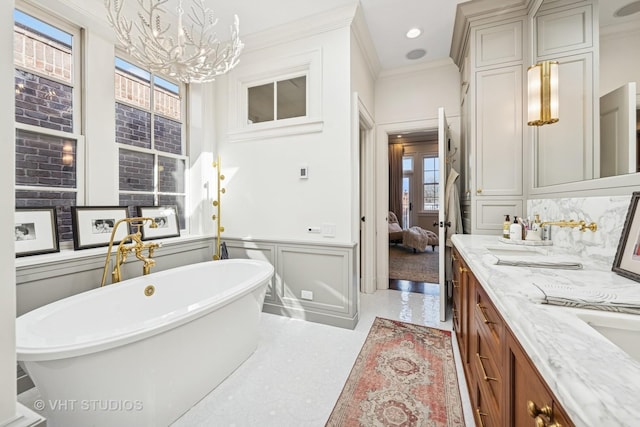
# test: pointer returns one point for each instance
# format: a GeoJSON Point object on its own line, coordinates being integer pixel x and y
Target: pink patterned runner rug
{"type": "Point", "coordinates": [405, 375]}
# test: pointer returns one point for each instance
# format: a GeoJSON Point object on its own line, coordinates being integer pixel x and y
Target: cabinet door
{"type": "Point", "coordinates": [530, 401]}
{"type": "Point", "coordinates": [460, 299]}
{"type": "Point", "coordinates": [499, 133]}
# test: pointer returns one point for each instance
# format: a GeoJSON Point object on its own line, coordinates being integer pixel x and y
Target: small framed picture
{"type": "Point", "coordinates": [627, 260]}
{"type": "Point", "coordinates": [92, 225]}
{"type": "Point", "coordinates": [36, 231]}
{"type": "Point", "coordinates": [166, 219]}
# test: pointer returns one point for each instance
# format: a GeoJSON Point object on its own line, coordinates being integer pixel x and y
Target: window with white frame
{"type": "Point", "coordinates": [150, 138]}
{"type": "Point", "coordinates": [279, 100]}
{"type": "Point", "coordinates": [430, 183]}
{"type": "Point", "coordinates": [47, 115]}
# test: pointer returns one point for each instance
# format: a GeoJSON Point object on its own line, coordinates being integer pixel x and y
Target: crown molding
{"type": "Point", "coordinates": [471, 11]}
{"type": "Point", "coordinates": [306, 27]}
{"type": "Point", "coordinates": [417, 68]}
{"type": "Point", "coordinates": [362, 36]}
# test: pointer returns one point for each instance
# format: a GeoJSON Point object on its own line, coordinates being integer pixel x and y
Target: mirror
{"type": "Point", "coordinates": [577, 149]}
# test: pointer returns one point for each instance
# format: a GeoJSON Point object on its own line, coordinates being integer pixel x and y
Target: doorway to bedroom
{"type": "Point", "coordinates": [414, 185]}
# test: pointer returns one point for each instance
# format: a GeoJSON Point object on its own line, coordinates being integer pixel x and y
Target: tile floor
{"type": "Point", "coordinates": [297, 372]}
{"type": "Point", "coordinates": [296, 375]}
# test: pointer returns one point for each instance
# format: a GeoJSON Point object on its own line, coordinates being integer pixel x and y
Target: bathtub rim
{"type": "Point", "coordinates": [55, 352]}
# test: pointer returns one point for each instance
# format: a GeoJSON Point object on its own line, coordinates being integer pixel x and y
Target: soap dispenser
{"type": "Point", "coordinates": [505, 227]}
{"type": "Point", "coordinates": [515, 230]}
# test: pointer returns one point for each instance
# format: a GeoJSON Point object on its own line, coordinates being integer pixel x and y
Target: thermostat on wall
{"type": "Point", "coordinates": [304, 172]}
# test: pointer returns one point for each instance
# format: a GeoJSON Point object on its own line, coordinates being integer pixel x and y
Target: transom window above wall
{"type": "Point", "coordinates": [150, 138]}
{"type": "Point", "coordinates": [282, 98]}
{"type": "Point", "coordinates": [48, 141]}
{"type": "Point", "coordinates": [279, 100]}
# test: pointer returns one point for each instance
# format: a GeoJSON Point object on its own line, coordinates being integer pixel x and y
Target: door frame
{"type": "Point", "coordinates": [363, 152]}
{"type": "Point", "coordinates": [383, 132]}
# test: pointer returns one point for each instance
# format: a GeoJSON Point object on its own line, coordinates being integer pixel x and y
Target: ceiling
{"type": "Point", "coordinates": [387, 20]}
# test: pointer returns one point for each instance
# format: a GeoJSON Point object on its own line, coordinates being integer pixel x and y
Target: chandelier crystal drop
{"type": "Point", "coordinates": [191, 53]}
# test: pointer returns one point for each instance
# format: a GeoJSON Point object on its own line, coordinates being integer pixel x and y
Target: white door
{"type": "Point", "coordinates": [443, 137]}
{"type": "Point", "coordinates": [618, 131]}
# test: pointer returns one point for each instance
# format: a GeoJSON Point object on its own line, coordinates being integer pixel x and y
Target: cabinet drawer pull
{"type": "Point", "coordinates": [484, 372]}
{"type": "Point", "coordinates": [484, 316]}
{"type": "Point", "coordinates": [480, 415]}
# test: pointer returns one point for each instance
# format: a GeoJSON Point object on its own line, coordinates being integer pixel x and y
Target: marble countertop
{"type": "Point", "coordinates": [596, 382]}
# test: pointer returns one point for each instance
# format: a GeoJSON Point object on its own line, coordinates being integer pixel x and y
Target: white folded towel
{"type": "Point", "coordinates": [533, 261]}
{"type": "Point", "coordinates": [595, 299]}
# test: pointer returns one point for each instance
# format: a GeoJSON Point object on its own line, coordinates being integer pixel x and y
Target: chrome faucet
{"type": "Point", "coordinates": [137, 246]}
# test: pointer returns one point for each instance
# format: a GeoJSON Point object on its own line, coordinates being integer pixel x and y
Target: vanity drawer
{"type": "Point", "coordinates": [486, 414]}
{"type": "Point", "coordinates": [487, 372]}
{"type": "Point", "coordinates": [489, 324]}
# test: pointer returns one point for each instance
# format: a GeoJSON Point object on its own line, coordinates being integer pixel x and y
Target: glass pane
{"type": "Point", "coordinates": [166, 98]}
{"type": "Point", "coordinates": [136, 171]}
{"type": "Point", "coordinates": [431, 179]}
{"type": "Point", "coordinates": [292, 98]}
{"type": "Point", "coordinates": [260, 99]}
{"type": "Point", "coordinates": [133, 126]}
{"type": "Point", "coordinates": [179, 201]}
{"type": "Point", "coordinates": [168, 135]}
{"type": "Point", "coordinates": [132, 84]}
{"type": "Point", "coordinates": [134, 200]}
{"type": "Point", "coordinates": [43, 160]}
{"type": "Point", "coordinates": [406, 184]}
{"type": "Point", "coordinates": [170, 175]}
{"type": "Point", "coordinates": [61, 200]}
{"type": "Point", "coordinates": [43, 48]}
{"type": "Point", "coordinates": [407, 164]}
{"type": "Point", "coordinates": [43, 102]}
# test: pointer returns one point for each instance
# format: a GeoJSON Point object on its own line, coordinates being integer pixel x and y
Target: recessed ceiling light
{"type": "Point", "coordinates": [629, 9]}
{"type": "Point", "coordinates": [413, 33]}
{"type": "Point", "coordinates": [416, 54]}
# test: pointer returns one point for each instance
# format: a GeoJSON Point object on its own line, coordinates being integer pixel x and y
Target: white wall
{"type": "Point", "coordinates": [619, 65]}
{"type": "Point", "coordinates": [416, 93]}
{"type": "Point", "coordinates": [7, 254]}
{"type": "Point", "coordinates": [265, 198]}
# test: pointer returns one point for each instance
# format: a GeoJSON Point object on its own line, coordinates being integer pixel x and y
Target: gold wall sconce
{"type": "Point", "coordinates": [543, 93]}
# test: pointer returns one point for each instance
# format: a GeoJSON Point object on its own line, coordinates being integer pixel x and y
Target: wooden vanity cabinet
{"type": "Point", "coordinates": [501, 378]}
{"type": "Point", "coordinates": [459, 306]}
{"type": "Point", "coordinates": [531, 403]}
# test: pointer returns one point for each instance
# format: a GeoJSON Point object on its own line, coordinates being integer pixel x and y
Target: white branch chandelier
{"type": "Point", "coordinates": [192, 54]}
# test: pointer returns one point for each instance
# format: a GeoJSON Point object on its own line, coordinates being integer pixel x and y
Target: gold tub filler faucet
{"type": "Point", "coordinates": [136, 246]}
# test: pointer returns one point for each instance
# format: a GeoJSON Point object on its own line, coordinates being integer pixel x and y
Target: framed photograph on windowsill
{"type": "Point", "coordinates": [165, 217]}
{"type": "Point", "coordinates": [92, 225]}
{"type": "Point", "coordinates": [36, 231]}
{"type": "Point", "coordinates": [627, 260]}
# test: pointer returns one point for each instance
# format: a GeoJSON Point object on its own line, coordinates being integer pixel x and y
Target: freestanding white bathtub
{"type": "Point", "coordinates": [114, 356]}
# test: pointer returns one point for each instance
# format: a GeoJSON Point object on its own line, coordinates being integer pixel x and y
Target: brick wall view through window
{"type": "Point", "coordinates": [46, 116]}
{"type": "Point", "coordinates": [149, 135]}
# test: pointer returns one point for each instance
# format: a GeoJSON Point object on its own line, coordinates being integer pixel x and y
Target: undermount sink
{"type": "Point", "coordinates": [621, 329]}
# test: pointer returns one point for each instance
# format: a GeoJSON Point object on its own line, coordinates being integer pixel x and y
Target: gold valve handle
{"type": "Point", "coordinates": [484, 372]}
{"type": "Point", "coordinates": [534, 410]}
{"type": "Point", "coordinates": [454, 257]}
{"type": "Point", "coordinates": [463, 269]}
{"type": "Point", "coordinates": [480, 415]}
{"type": "Point", "coordinates": [455, 283]}
{"type": "Point", "coordinates": [484, 316]}
{"type": "Point", "coordinates": [540, 413]}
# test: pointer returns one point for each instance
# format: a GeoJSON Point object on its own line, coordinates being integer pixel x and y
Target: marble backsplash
{"type": "Point", "coordinates": [608, 212]}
